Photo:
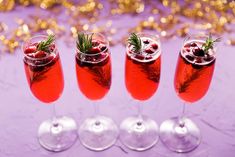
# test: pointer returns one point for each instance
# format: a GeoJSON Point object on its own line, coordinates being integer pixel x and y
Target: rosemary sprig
{"type": "Point", "coordinates": [152, 72]}
{"type": "Point", "coordinates": [45, 44]}
{"type": "Point", "coordinates": [209, 43]}
{"type": "Point", "coordinates": [183, 86]}
{"type": "Point", "coordinates": [37, 77]}
{"type": "Point", "coordinates": [101, 77]}
{"type": "Point", "coordinates": [84, 42]}
{"type": "Point", "coordinates": [135, 41]}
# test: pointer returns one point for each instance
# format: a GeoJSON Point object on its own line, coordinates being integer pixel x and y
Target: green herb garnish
{"type": "Point", "coordinates": [209, 43]}
{"type": "Point", "coordinates": [84, 42]}
{"type": "Point", "coordinates": [188, 79]}
{"type": "Point", "coordinates": [45, 44]}
{"type": "Point", "coordinates": [135, 41]}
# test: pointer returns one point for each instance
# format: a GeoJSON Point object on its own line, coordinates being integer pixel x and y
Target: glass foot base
{"type": "Point", "coordinates": [180, 135]}
{"type": "Point", "coordinates": [139, 134]}
{"type": "Point", "coordinates": [58, 136]}
{"type": "Point", "coordinates": [98, 133]}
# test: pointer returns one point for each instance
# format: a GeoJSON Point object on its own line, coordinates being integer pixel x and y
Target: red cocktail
{"type": "Point", "coordinates": [194, 72]}
{"type": "Point", "coordinates": [142, 76]}
{"type": "Point", "coordinates": [142, 72]}
{"type": "Point", "coordinates": [93, 69]}
{"type": "Point", "coordinates": [44, 73]}
{"type": "Point", "coordinates": [45, 78]}
{"type": "Point", "coordinates": [193, 75]}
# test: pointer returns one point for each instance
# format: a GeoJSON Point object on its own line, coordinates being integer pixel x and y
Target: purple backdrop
{"type": "Point", "coordinates": [21, 113]}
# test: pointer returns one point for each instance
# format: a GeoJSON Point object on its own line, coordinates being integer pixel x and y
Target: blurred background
{"type": "Point", "coordinates": [169, 18]}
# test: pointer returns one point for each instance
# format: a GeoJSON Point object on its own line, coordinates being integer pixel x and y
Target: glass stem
{"type": "Point", "coordinates": [181, 118]}
{"type": "Point", "coordinates": [96, 112]}
{"type": "Point", "coordinates": [54, 117]}
{"type": "Point", "coordinates": [140, 114]}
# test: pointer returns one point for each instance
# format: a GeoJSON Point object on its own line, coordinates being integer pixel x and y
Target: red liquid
{"type": "Point", "coordinates": [142, 78]}
{"type": "Point", "coordinates": [45, 80]}
{"type": "Point", "coordinates": [94, 79]}
{"type": "Point", "coordinates": [192, 81]}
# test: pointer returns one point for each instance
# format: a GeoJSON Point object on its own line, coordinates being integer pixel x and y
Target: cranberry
{"type": "Point", "coordinates": [189, 57]}
{"type": "Point", "coordinates": [102, 47]}
{"type": "Point", "coordinates": [30, 49]}
{"type": "Point", "coordinates": [140, 57]}
{"type": "Point", "coordinates": [193, 44]}
{"type": "Point", "coordinates": [31, 55]}
{"type": "Point", "coordinates": [209, 58]}
{"type": "Point", "coordinates": [199, 60]}
{"type": "Point", "coordinates": [93, 59]}
{"type": "Point", "coordinates": [95, 43]}
{"type": "Point", "coordinates": [187, 49]}
{"type": "Point", "coordinates": [40, 54]}
{"type": "Point", "coordinates": [146, 41]}
{"type": "Point", "coordinates": [102, 56]}
{"type": "Point", "coordinates": [198, 52]}
{"type": "Point", "coordinates": [48, 59]}
{"type": "Point", "coordinates": [94, 50]}
{"type": "Point", "coordinates": [149, 57]}
{"type": "Point", "coordinates": [88, 58]}
{"type": "Point", "coordinates": [149, 51]}
{"type": "Point", "coordinates": [39, 62]}
{"type": "Point", "coordinates": [154, 46]}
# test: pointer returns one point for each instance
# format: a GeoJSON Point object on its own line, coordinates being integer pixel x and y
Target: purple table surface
{"type": "Point", "coordinates": [21, 113]}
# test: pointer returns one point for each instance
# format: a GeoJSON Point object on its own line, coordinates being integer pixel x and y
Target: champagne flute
{"type": "Point", "coordinates": [93, 69]}
{"type": "Point", "coordinates": [45, 78]}
{"type": "Point", "coordinates": [142, 76]}
{"type": "Point", "coordinates": [194, 71]}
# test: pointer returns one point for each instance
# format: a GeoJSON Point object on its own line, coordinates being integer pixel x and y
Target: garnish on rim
{"type": "Point", "coordinates": [84, 42]}
{"type": "Point", "coordinates": [45, 44]}
{"type": "Point", "coordinates": [209, 43]}
{"type": "Point", "coordinates": [135, 41]}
